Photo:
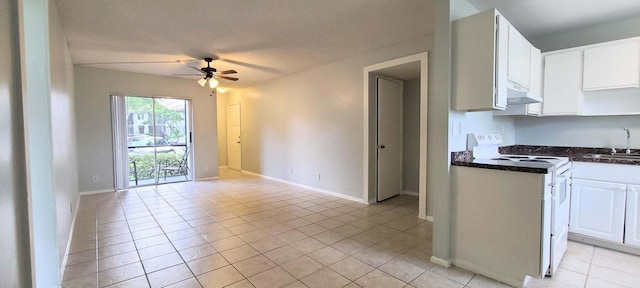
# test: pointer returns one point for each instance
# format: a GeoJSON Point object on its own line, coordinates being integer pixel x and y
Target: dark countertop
{"type": "Point", "coordinates": [579, 154]}
{"type": "Point", "coordinates": [464, 158]}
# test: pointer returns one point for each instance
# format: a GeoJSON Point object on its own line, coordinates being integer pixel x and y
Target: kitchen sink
{"type": "Point", "coordinates": [616, 156]}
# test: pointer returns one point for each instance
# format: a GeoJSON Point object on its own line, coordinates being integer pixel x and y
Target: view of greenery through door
{"type": "Point", "coordinates": [157, 140]}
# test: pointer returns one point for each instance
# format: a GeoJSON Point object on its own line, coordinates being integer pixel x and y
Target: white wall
{"type": "Point", "coordinates": [38, 130]}
{"type": "Point", "coordinates": [65, 162]}
{"type": "Point", "coordinates": [593, 131]}
{"type": "Point", "coordinates": [479, 122]}
{"type": "Point", "coordinates": [411, 136]}
{"type": "Point", "coordinates": [15, 270]}
{"type": "Point", "coordinates": [620, 29]}
{"type": "Point", "coordinates": [221, 105]}
{"type": "Point", "coordinates": [312, 122]}
{"type": "Point", "coordinates": [93, 119]}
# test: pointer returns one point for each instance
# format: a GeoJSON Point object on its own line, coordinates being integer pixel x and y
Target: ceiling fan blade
{"type": "Point", "coordinates": [228, 78]}
{"type": "Point", "coordinates": [187, 74]}
{"type": "Point", "coordinates": [194, 68]}
{"type": "Point", "coordinates": [228, 72]}
{"type": "Point", "coordinates": [136, 62]}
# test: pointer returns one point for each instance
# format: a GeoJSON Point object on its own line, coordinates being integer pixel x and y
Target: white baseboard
{"type": "Point", "coordinates": [66, 250]}
{"type": "Point", "coordinates": [225, 166]}
{"type": "Point", "coordinates": [410, 193]}
{"type": "Point", "coordinates": [429, 218]}
{"type": "Point", "coordinates": [207, 178]}
{"type": "Point", "coordinates": [308, 187]}
{"type": "Point", "coordinates": [441, 262]}
{"type": "Point", "coordinates": [97, 191]}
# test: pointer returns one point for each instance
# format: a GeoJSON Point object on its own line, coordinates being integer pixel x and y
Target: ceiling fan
{"type": "Point", "coordinates": [211, 74]}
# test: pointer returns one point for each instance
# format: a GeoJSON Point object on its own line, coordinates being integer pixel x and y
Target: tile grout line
{"type": "Point", "coordinates": [97, 254]}
{"type": "Point", "coordinates": [239, 200]}
{"type": "Point", "coordinates": [132, 240]}
{"type": "Point", "coordinates": [165, 235]}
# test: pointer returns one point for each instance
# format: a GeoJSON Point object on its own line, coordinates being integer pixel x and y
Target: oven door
{"type": "Point", "coordinates": [561, 199]}
{"type": "Point", "coordinates": [558, 247]}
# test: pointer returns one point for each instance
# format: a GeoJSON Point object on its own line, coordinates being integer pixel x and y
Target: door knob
{"type": "Point", "coordinates": [238, 142]}
{"type": "Point", "coordinates": [381, 146]}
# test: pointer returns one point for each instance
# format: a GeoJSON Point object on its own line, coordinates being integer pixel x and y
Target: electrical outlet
{"type": "Point", "coordinates": [206, 167]}
{"type": "Point", "coordinates": [318, 176]}
{"type": "Point", "coordinates": [96, 178]}
{"type": "Point", "coordinates": [70, 207]}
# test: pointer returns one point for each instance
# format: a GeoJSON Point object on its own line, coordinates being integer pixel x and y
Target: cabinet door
{"type": "Point", "coordinates": [632, 225]}
{"type": "Point", "coordinates": [535, 83]}
{"type": "Point", "coordinates": [535, 89]}
{"type": "Point", "coordinates": [612, 66]}
{"type": "Point", "coordinates": [475, 56]}
{"type": "Point", "coordinates": [562, 84]}
{"type": "Point", "coordinates": [519, 58]}
{"type": "Point", "coordinates": [598, 209]}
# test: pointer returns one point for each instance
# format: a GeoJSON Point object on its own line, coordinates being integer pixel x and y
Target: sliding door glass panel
{"type": "Point", "coordinates": [172, 152]}
{"type": "Point", "coordinates": [140, 141]}
{"type": "Point", "coordinates": [157, 140]}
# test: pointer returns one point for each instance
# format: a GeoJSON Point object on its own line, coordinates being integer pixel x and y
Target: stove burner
{"type": "Point", "coordinates": [518, 157]}
{"type": "Point", "coordinates": [501, 158]}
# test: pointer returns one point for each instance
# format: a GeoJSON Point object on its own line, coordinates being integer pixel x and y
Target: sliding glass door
{"type": "Point", "coordinates": [152, 142]}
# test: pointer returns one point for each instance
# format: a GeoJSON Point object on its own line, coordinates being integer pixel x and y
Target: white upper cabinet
{"type": "Point", "coordinates": [491, 64]}
{"type": "Point", "coordinates": [562, 84]}
{"type": "Point", "coordinates": [535, 83]}
{"type": "Point", "coordinates": [519, 58]}
{"type": "Point", "coordinates": [479, 51]}
{"type": "Point", "coordinates": [535, 89]}
{"type": "Point", "coordinates": [612, 66]}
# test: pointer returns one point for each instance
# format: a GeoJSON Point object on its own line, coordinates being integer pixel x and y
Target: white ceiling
{"type": "Point", "coordinates": [259, 39]}
{"type": "Point", "coordinates": [265, 39]}
{"type": "Point", "coordinates": [534, 18]}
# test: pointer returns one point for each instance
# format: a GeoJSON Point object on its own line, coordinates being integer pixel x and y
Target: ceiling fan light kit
{"type": "Point", "coordinates": [213, 83]}
{"type": "Point", "coordinates": [211, 74]}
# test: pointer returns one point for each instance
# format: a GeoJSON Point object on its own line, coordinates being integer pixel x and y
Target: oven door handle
{"type": "Point", "coordinates": [568, 171]}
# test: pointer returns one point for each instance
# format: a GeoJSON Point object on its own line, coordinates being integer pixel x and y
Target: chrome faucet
{"type": "Point", "coordinates": [628, 151]}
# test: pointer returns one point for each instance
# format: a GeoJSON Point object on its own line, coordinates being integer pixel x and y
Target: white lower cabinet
{"type": "Point", "coordinates": [632, 225]}
{"type": "Point", "coordinates": [598, 209]}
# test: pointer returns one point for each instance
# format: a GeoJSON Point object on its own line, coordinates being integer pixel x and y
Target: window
{"type": "Point", "coordinates": [140, 129]}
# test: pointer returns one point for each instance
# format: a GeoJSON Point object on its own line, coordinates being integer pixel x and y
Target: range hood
{"type": "Point", "coordinates": [518, 95]}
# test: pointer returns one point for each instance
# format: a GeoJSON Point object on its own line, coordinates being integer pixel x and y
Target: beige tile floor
{"type": "Point", "coordinates": [244, 231]}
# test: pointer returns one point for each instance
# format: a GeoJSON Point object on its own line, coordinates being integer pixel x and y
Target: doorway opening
{"type": "Point", "coordinates": [411, 71]}
{"type": "Point", "coordinates": [152, 140]}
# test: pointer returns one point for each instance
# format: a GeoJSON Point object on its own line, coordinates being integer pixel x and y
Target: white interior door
{"type": "Point", "coordinates": [234, 143]}
{"type": "Point", "coordinates": [389, 166]}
